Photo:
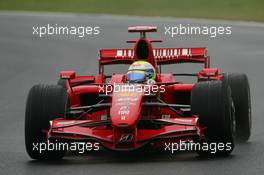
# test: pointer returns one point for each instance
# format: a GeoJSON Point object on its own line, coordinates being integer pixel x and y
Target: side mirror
{"type": "Point", "coordinates": [67, 74]}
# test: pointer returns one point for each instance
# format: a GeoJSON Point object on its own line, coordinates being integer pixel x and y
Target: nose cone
{"type": "Point", "coordinates": [126, 108]}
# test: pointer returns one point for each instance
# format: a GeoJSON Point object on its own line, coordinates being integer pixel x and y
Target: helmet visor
{"type": "Point", "coordinates": [136, 76]}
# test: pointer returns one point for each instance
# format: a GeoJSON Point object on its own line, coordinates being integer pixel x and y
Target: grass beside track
{"type": "Point", "coordinates": [215, 9]}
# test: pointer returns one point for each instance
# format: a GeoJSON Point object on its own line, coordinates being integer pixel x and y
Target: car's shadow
{"type": "Point", "coordinates": [141, 156]}
{"type": "Point", "coordinates": [110, 157]}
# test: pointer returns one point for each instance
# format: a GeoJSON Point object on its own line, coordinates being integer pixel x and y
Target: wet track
{"type": "Point", "coordinates": [26, 60]}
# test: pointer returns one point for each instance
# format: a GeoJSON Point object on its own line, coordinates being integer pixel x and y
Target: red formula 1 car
{"type": "Point", "coordinates": [123, 115]}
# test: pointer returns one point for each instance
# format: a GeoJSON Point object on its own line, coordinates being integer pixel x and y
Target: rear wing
{"type": "Point", "coordinates": [161, 55]}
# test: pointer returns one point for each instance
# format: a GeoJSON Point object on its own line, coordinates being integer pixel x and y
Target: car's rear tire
{"type": "Point", "coordinates": [44, 103]}
{"type": "Point", "coordinates": [212, 102]}
{"type": "Point", "coordinates": [241, 97]}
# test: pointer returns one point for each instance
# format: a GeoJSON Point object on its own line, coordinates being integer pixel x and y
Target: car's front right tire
{"type": "Point", "coordinates": [44, 103]}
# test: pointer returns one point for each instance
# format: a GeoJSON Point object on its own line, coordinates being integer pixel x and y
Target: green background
{"type": "Point", "coordinates": [250, 10]}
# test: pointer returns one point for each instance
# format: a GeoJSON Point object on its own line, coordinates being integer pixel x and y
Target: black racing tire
{"type": "Point", "coordinates": [212, 102]}
{"type": "Point", "coordinates": [44, 103]}
{"type": "Point", "coordinates": [240, 91]}
{"type": "Point", "coordinates": [62, 83]}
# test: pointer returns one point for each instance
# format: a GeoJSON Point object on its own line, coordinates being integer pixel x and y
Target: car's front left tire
{"type": "Point", "coordinates": [211, 101]}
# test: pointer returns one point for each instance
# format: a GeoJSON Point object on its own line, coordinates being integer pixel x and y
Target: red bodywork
{"type": "Point", "coordinates": [130, 120]}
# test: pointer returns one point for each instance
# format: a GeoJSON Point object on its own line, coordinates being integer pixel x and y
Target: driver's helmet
{"type": "Point", "coordinates": [141, 72]}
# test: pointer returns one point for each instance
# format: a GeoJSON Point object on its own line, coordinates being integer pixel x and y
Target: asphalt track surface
{"type": "Point", "coordinates": [26, 60]}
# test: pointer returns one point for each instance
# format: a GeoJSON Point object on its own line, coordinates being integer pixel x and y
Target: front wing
{"type": "Point", "coordinates": [173, 129]}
